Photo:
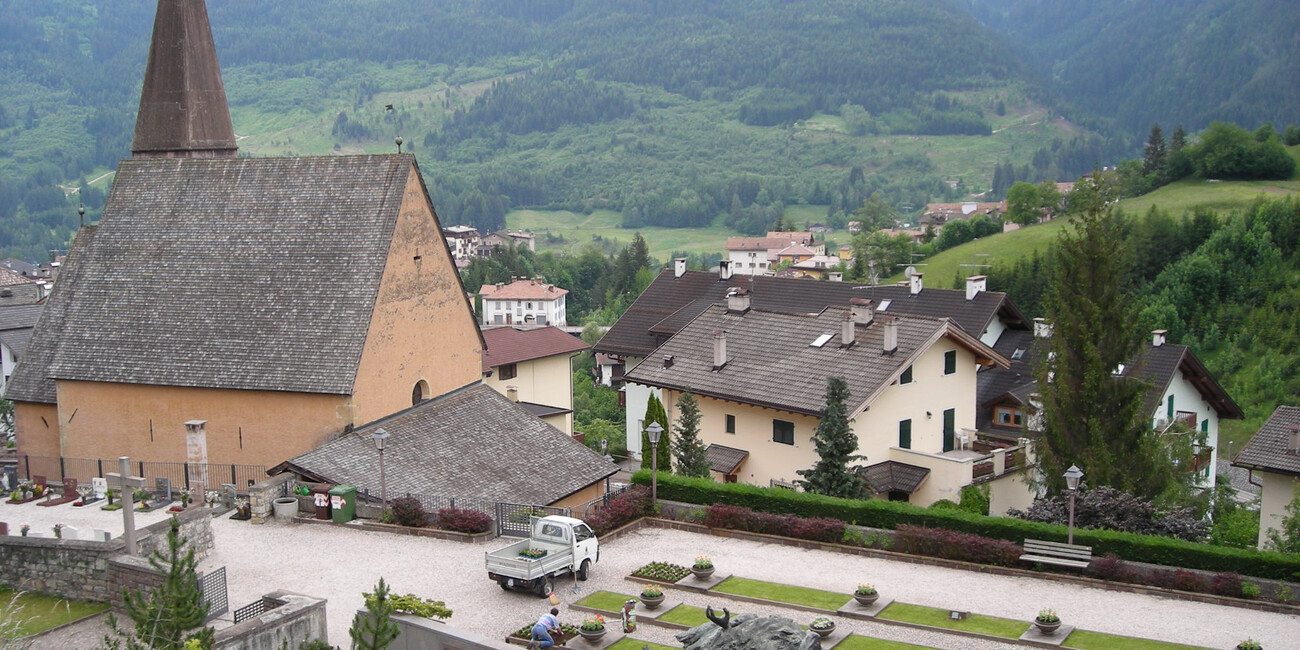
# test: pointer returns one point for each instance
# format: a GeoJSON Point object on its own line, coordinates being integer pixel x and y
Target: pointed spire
{"type": "Point", "coordinates": [183, 111]}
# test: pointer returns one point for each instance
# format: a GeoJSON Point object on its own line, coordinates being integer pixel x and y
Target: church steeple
{"type": "Point", "coordinates": [183, 111]}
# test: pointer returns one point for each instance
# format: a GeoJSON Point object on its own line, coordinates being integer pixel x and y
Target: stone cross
{"type": "Point", "coordinates": [128, 484]}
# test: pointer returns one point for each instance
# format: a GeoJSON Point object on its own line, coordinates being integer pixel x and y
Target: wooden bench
{"type": "Point", "coordinates": [1067, 555]}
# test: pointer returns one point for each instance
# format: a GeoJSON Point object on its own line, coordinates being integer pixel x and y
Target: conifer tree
{"type": "Point", "coordinates": [692, 456]}
{"type": "Point", "coordinates": [374, 630]}
{"type": "Point", "coordinates": [1153, 156]}
{"type": "Point", "coordinates": [1091, 417]}
{"type": "Point", "coordinates": [171, 615]}
{"type": "Point", "coordinates": [654, 412]}
{"type": "Point", "coordinates": [835, 442]}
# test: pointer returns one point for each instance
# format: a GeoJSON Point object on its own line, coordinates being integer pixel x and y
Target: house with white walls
{"type": "Point", "coordinates": [1273, 458]}
{"type": "Point", "coordinates": [523, 302]}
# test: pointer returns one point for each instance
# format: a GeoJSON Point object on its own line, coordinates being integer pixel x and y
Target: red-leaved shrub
{"type": "Point", "coordinates": [1190, 581]}
{"type": "Point", "coordinates": [1112, 568]}
{"type": "Point", "coordinates": [621, 510]}
{"type": "Point", "coordinates": [408, 511]}
{"type": "Point", "coordinates": [818, 529]}
{"type": "Point", "coordinates": [464, 521]}
{"type": "Point", "coordinates": [1227, 584]}
{"type": "Point", "coordinates": [938, 542]}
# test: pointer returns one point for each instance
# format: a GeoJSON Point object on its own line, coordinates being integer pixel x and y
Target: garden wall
{"type": "Point", "coordinates": [419, 633]}
{"type": "Point", "coordinates": [289, 620]}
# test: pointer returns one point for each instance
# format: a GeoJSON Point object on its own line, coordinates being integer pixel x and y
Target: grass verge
{"type": "Point", "coordinates": [989, 625]}
{"type": "Point", "coordinates": [605, 601]}
{"type": "Point", "coordinates": [1085, 640]}
{"type": "Point", "coordinates": [684, 615]}
{"type": "Point", "coordinates": [36, 613]}
{"type": "Point", "coordinates": [858, 642]}
{"type": "Point", "coordinates": [780, 593]}
{"type": "Point", "coordinates": [628, 643]}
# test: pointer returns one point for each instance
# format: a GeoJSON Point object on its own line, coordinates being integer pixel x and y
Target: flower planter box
{"type": "Point", "coordinates": [533, 554]}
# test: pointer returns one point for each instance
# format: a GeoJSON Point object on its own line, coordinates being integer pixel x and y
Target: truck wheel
{"type": "Point", "coordinates": [504, 585]}
{"type": "Point", "coordinates": [543, 587]}
{"type": "Point", "coordinates": [585, 570]}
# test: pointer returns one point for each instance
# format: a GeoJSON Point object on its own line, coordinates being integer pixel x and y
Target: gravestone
{"type": "Point", "coordinates": [10, 477]}
{"type": "Point", "coordinates": [70, 488]}
{"type": "Point", "coordinates": [70, 532]}
{"type": "Point", "coordinates": [100, 535]}
{"type": "Point", "coordinates": [4, 528]}
{"type": "Point", "coordinates": [162, 491]}
{"type": "Point", "coordinates": [37, 533]}
{"type": "Point", "coordinates": [228, 495]}
{"type": "Point", "coordinates": [100, 486]}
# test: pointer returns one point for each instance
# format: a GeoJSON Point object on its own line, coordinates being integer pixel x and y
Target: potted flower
{"type": "Point", "coordinates": [1249, 644]}
{"type": "Point", "coordinates": [652, 596]}
{"type": "Point", "coordinates": [24, 528]}
{"type": "Point", "coordinates": [703, 567]}
{"type": "Point", "coordinates": [822, 625]}
{"type": "Point", "coordinates": [142, 498]}
{"type": "Point", "coordinates": [865, 594]}
{"type": "Point", "coordinates": [592, 628]}
{"type": "Point", "coordinates": [533, 553]}
{"type": "Point", "coordinates": [1047, 621]}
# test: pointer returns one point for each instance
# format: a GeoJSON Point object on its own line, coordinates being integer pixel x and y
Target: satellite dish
{"type": "Point", "coordinates": [909, 271]}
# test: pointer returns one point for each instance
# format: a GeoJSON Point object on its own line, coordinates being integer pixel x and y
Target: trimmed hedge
{"type": "Point", "coordinates": [877, 513]}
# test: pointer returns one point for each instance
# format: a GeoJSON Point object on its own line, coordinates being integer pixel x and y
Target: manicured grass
{"type": "Point", "coordinates": [684, 615]}
{"type": "Point", "coordinates": [629, 643]}
{"type": "Point", "coordinates": [858, 642]}
{"type": "Point", "coordinates": [605, 601]}
{"type": "Point", "coordinates": [37, 612]}
{"type": "Point", "coordinates": [1085, 640]}
{"type": "Point", "coordinates": [828, 600]}
{"type": "Point", "coordinates": [992, 626]}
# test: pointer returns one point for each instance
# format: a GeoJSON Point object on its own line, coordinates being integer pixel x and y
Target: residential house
{"type": "Point", "coordinates": [471, 444]}
{"type": "Point", "coordinates": [534, 368]}
{"type": "Point", "coordinates": [937, 214]}
{"type": "Point", "coordinates": [18, 289]}
{"type": "Point", "coordinates": [1274, 452]}
{"type": "Point", "coordinates": [678, 296]}
{"type": "Point", "coordinates": [463, 242]}
{"type": "Point", "coordinates": [757, 255]}
{"type": "Point", "coordinates": [280, 301]}
{"type": "Point", "coordinates": [523, 302]}
{"type": "Point", "coordinates": [16, 323]}
{"type": "Point", "coordinates": [493, 240]}
{"type": "Point", "coordinates": [760, 378]}
{"type": "Point", "coordinates": [1184, 397]}
{"type": "Point", "coordinates": [816, 267]}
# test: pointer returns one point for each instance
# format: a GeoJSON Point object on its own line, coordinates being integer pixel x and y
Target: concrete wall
{"type": "Point", "coordinates": [419, 633]}
{"type": "Point", "coordinates": [1011, 490]}
{"type": "Point", "coordinates": [1275, 496]}
{"type": "Point", "coordinates": [101, 420]}
{"type": "Point", "coordinates": [422, 327]}
{"type": "Point", "coordinates": [293, 619]}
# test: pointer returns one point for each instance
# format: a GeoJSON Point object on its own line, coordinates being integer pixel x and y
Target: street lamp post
{"type": "Point", "coordinates": [654, 431]}
{"type": "Point", "coordinates": [1072, 478]}
{"type": "Point", "coordinates": [380, 437]}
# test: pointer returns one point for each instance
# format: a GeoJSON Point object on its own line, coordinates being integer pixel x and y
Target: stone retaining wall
{"type": "Point", "coordinates": [419, 633]}
{"type": "Point", "coordinates": [262, 494]}
{"type": "Point", "coordinates": [131, 573]}
{"type": "Point", "coordinates": [289, 620]}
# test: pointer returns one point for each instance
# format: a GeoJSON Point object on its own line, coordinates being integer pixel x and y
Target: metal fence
{"type": "Point", "coordinates": [213, 586]}
{"type": "Point", "coordinates": [433, 503]}
{"type": "Point", "coordinates": [516, 519]}
{"type": "Point", "coordinates": [57, 468]}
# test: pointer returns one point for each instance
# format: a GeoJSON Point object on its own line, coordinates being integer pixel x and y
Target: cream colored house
{"type": "Point", "coordinates": [1274, 453]}
{"type": "Point", "coordinates": [534, 367]}
{"type": "Point", "coordinates": [761, 376]}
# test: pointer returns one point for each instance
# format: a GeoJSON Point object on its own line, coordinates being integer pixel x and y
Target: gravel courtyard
{"type": "Point", "coordinates": [339, 563]}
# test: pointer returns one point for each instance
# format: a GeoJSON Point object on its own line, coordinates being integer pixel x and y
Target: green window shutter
{"type": "Point", "coordinates": [906, 378]}
{"type": "Point", "coordinates": [1169, 408]}
{"type": "Point", "coordinates": [949, 362]}
{"type": "Point", "coordinates": [949, 429]}
{"type": "Point", "coordinates": [1205, 425]}
{"type": "Point", "coordinates": [905, 434]}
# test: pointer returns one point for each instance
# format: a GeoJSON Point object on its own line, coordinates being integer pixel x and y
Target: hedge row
{"type": "Point", "coordinates": [878, 513]}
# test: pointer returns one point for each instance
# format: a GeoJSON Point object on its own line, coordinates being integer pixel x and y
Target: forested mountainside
{"type": "Point", "coordinates": [1185, 62]}
{"type": "Point", "coordinates": [675, 112]}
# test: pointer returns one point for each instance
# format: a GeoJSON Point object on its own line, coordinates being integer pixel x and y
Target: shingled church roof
{"type": "Point", "coordinates": [239, 273]}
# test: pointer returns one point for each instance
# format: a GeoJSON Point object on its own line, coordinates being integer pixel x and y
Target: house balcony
{"type": "Point", "coordinates": [928, 477]}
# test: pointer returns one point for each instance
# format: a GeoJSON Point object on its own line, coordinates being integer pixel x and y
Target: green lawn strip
{"type": "Point", "coordinates": [1085, 640]}
{"type": "Point", "coordinates": [989, 625]}
{"type": "Point", "coordinates": [605, 601]}
{"type": "Point", "coordinates": [859, 642]}
{"type": "Point", "coordinates": [40, 612]}
{"type": "Point", "coordinates": [684, 615]}
{"type": "Point", "coordinates": [827, 600]}
{"type": "Point", "coordinates": [629, 643]}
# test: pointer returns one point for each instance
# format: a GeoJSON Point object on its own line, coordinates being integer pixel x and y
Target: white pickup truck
{"type": "Point", "coordinates": [569, 545]}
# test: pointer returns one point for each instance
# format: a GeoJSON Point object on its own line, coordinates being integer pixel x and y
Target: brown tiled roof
{"type": "Point", "coordinates": [510, 345]}
{"type": "Point", "coordinates": [771, 362]}
{"type": "Point", "coordinates": [634, 334]}
{"type": "Point", "coordinates": [183, 102]}
{"type": "Point", "coordinates": [240, 273]}
{"type": "Point", "coordinates": [522, 290]}
{"type": "Point", "coordinates": [893, 476]}
{"type": "Point", "coordinates": [471, 443]}
{"type": "Point", "coordinates": [16, 323]}
{"type": "Point", "coordinates": [1160, 365]}
{"type": "Point", "coordinates": [10, 278]}
{"type": "Point", "coordinates": [726, 459]}
{"type": "Point", "coordinates": [1267, 449]}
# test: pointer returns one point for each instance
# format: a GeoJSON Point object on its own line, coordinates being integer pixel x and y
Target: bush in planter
{"type": "Point", "coordinates": [819, 529]}
{"type": "Point", "coordinates": [1227, 584]}
{"type": "Point", "coordinates": [408, 511]}
{"type": "Point", "coordinates": [464, 521]}
{"type": "Point", "coordinates": [1110, 567]}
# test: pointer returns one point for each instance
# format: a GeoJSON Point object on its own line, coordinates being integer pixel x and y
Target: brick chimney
{"type": "Point", "coordinates": [890, 324]}
{"type": "Point", "coordinates": [915, 283]}
{"type": "Point", "coordinates": [863, 310]}
{"type": "Point", "coordinates": [724, 269]}
{"type": "Point", "coordinates": [719, 349]}
{"type": "Point", "coordinates": [1042, 328]}
{"type": "Point", "coordinates": [737, 300]}
{"type": "Point", "coordinates": [976, 284]}
{"type": "Point", "coordinates": [1158, 337]}
{"type": "Point", "coordinates": [848, 330]}
{"type": "Point", "coordinates": [679, 267]}
{"type": "Point", "coordinates": [1293, 441]}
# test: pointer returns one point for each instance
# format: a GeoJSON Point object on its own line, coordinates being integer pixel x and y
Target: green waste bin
{"type": "Point", "coordinates": [343, 503]}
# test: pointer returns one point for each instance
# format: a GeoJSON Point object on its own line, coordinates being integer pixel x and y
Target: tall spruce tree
{"type": "Point", "coordinates": [692, 456]}
{"type": "Point", "coordinates": [170, 615]}
{"type": "Point", "coordinates": [375, 629]}
{"type": "Point", "coordinates": [835, 442]}
{"type": "Point", "coordinates": [1092, 417]}
{"type": "Point", "coordinates": [1154, 155]}
{"type": "Point", "coordinates": [654, 412]}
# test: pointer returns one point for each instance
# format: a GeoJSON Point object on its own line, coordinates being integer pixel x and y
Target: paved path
{"type": "Point", "coordinates": [340, 563]}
